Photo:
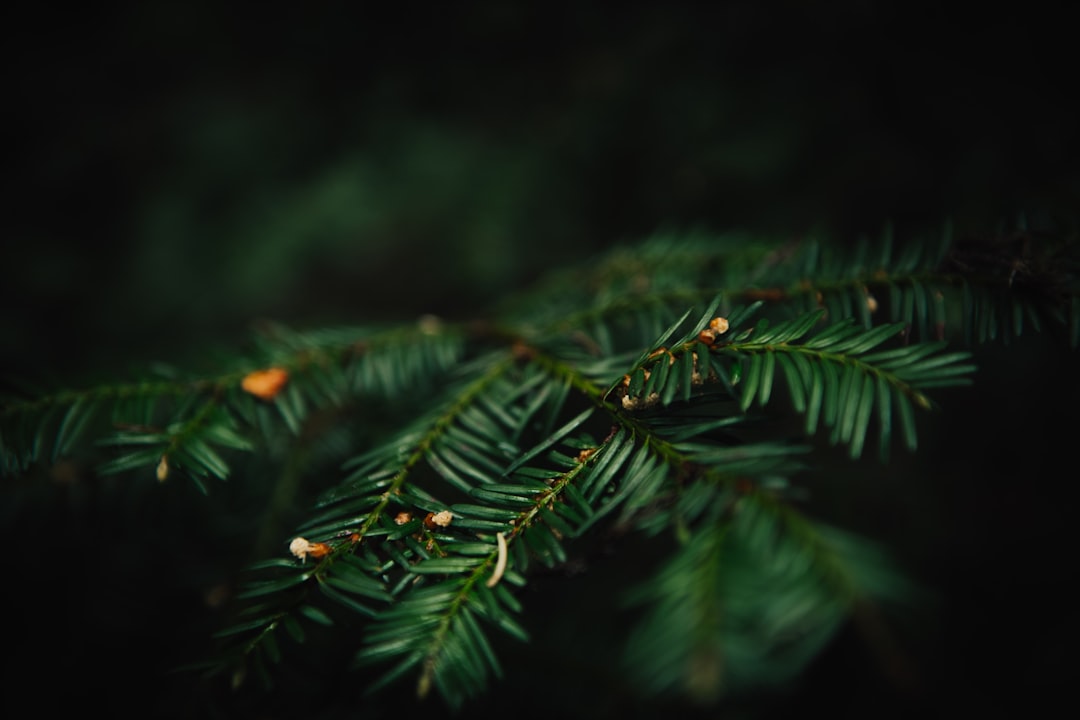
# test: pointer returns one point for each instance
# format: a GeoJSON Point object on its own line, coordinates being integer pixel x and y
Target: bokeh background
{"type": "Point", "coordinates": [178, 171]}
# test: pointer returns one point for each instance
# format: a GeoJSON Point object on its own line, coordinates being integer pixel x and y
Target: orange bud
{"type": "Point", "coordinates": [443, 518]}
{"type": "Point", "coordinates": [318, 550]}
{"type": "Point", "coordinates": [301, 548]}
{"type": "Point", "coordinates": [265, 384]}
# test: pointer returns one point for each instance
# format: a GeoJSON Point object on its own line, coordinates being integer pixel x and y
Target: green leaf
{"type": "Point", "coordinates": [503, 498]}
{"type": "Point", "coordinates": [768, 369]}
{"type": "Point", "coordinates": [239, 628]}
{"type": "Point", "coordinates": [666, 335]}
{"type": "Point", "coordinates": [794, 381]}
{"type": "Point", "coordinates": [271, 587]}
{"type": "Point", "coordinates": [612, 457]}
{"type": "Point", "coordinates": [907, 421]}
{"type": "Point", "coordinates": [862, 416]}
{"type": "Point", "coordinates": [346, 600]}
{"type": "Point", "coordinates": [868, 340]}
{"type": "Point", "coordinates": [140, 459]}
{"type": "Point", "coordinates": [205, 457]}
{"type": "Point", "coordinates": [296, 632]}
{"type": "Point", "coordinates": [751, 381]}
{"type": "Point", "coordinates": [315, 615]}
{"type": "Point", "coordinates": [74, 423]}
{"type": "Point", "coordinates": [445, 565]}
{"type": "Point", "coordinates": [847, 403]}
{"type": "Point", "coordinates": [345, 575]}
{"type": "Point", "coordinates": [551, 440]}
{"type": "Point", "coordinates": [479, 641]}
{"type": "Point", "coordinates": [479, 524]}
{"type": "Point", "coordinates": [290, 403]}
{"type": "Point", "coordinates": [447, 472]}
{"type": "Point", "coordinates": [482, 511]}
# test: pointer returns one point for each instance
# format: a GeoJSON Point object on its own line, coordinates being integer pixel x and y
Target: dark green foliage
{"type": "Point", "coordinates": [673, 390]}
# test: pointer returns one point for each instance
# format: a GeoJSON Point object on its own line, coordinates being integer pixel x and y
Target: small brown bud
{"type": "Point", "coordinates": [443, 518]}
{"type": "Point", "coordinates": [265, 384]}
{"type": "Point", "coordinates": [429, 324]}
{"type": "Point", "coordinates": [301, 548]}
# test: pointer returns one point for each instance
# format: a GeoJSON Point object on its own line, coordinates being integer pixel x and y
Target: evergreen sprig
{"type": "Point", "coordinates": [170, 422]}
{"type": "Point", "coordinates": [634, 394]}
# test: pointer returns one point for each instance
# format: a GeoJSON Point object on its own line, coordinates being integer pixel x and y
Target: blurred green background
{"type": "Point", "coordinates": [177, 169]}
{"type": "Point", "coordinates": [180, 170]}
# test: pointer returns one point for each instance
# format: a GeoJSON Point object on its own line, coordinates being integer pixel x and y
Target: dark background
{"type": "Point", "coordinates": [177, 171]}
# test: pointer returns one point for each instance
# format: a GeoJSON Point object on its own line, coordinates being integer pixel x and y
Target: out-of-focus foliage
{"type": "Point", "coordinates": [180, 172]}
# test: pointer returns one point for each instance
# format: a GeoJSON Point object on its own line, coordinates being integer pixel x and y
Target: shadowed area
{"type": "Point", "coordinates": [181, 172]}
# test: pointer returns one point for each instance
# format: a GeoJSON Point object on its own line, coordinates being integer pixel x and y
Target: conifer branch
{"type": "Point", "coordinates": [634, 394]}
{"type": "Point", "coordinates": [316, 369]}
{"type": "Point", "coordinates": [340, 574]}
{"type": "Point", "coordinates": [754, 591]}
